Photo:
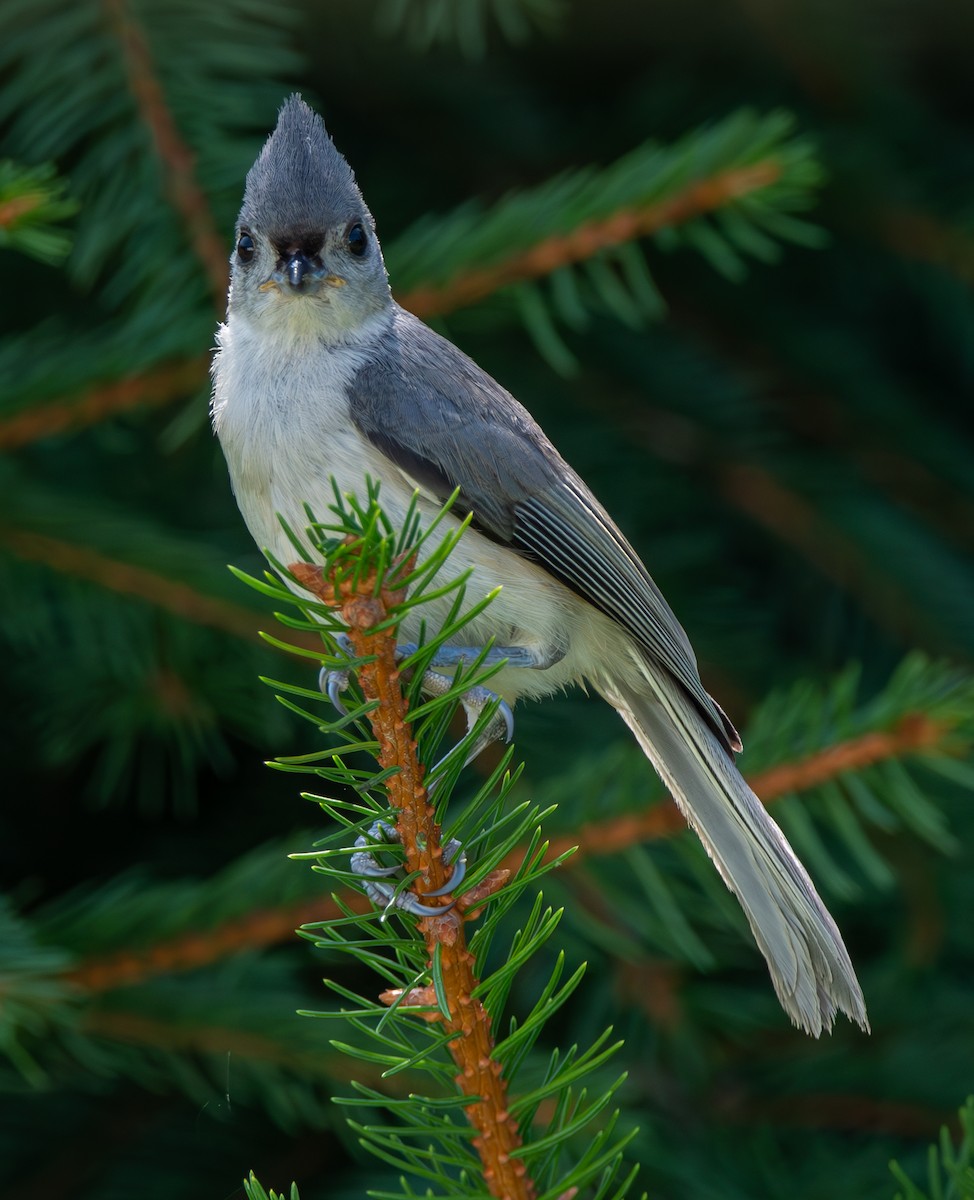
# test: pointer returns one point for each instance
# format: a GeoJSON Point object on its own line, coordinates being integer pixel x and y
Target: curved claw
{"type": "Point", "coordinates": [475, 701]}
{"type": "Point", "coordinates": [334, 680]}
{"type": "Point", "coordinates": [365, 865]}
{"type": "Point", "coordinates": [380, 834]}
{"type": "Point", "coordinates": [456, 878]}
{"type": "Point", "coordinates": [505, 711]}
{"type": "Point", "coordinates": [409, 902]}
{"type": "Point", "coordinates": [384, 894]}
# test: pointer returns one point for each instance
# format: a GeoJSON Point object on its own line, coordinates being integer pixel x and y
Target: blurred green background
{"type": "Point", "coordinates": [776, 411]}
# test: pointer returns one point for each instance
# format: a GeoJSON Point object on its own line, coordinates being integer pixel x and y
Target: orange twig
{"type": "Point", "coordinates": [264, 927]}
{"type": "Point", "coordinates": [561, 250]}
{"type": "Point", "coordinates": [130, 580]}
{"type": "Point", "coordinates": [160, 386]}
{"type": "Point", "coordinates": [479, 1077]}
{"type": "Point", "coordinates": [913, 733]}
{"type": "Point", "coordinates": [68, 558]}
{"type": "Point", "coordinates": [379, 680]}
{"type": "Point", "coordinates": [175, 156]}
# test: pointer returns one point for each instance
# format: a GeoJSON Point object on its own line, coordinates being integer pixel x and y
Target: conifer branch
{"type": "Point", "coordinates": [914, 732]}
{"type": "Point", "coordinates": [262, 928]}
{"type": "Point", "coordinates": [562, 250]}
{"type": "Point", "coordinates": [127, 579]}
{"type": "Point", "coordinates": [182, 600]}
{"type": "Point", "coordinates": [479, 1077]}
{"type": "Point", "coordinates": [67, 414]}
{"type": "Point", "coordinates": [175, 157]}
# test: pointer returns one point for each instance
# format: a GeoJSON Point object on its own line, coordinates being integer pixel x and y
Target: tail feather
{"type": "Point", "coordinates": [810, 966]}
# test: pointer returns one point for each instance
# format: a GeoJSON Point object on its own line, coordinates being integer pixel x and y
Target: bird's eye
{"type": "Point", "coordinates": [245, 247]}
{"type": "Point", "coordinates": [356, 240]}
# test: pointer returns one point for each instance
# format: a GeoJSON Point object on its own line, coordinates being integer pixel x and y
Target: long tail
{"type": "Point", "coordinates": [810, 966]}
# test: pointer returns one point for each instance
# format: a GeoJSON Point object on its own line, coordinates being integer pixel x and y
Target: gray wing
{"type": "Point", "coordinates": [446, 424]}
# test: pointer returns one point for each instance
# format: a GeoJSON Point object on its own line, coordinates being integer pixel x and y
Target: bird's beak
{"type": "Point", "coordinates": [301, 274]}
{"type": "Point", "coordinates": [297, 267]}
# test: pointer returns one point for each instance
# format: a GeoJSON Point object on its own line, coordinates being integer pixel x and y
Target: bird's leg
{"type": "Point", "coordinates": [334, 680]}
{"type": "Point", "coordinates": [533, 657]}
{"type": "Point", "coordinates": [501, 726]}
{"type": "Point", "coordinates": [375, 878]}
{"type": "Point", "coordinates": [473, 702]}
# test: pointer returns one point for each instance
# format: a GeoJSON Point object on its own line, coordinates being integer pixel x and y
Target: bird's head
{"type": "Point", "coordinates": [306, 255]}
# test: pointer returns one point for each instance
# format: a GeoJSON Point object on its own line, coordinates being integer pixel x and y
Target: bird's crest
{"type": "Point", "coordinates": [300, 184]}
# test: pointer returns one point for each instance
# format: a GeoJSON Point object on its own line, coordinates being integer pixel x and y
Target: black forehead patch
{"type": "Point", "coordinates": [300, 185]}
{"type": "Point", "coordinates": [309, 243]}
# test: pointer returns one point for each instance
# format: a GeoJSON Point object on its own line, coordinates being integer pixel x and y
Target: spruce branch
{"type": "Point", "coordinates": [259, 929]}
{"type": "Point", "coordinates": [440, 1006]}
{"type": "Point", "coordinates": [366, 604]}
{"type": "Point", "coordinates": [143, 107]}
{"type": "Point", "coordinates": [939, 733]}
{"type": "Point", "coordinates": [175, 157]}
{"type": "Point", "coordinates": [728, 192]}
{"type": "Point", "coordinates": [592, 238]}
{"type": "Point", "coordinates": [914, 733]}
{"type": "Point", "coordinates": [749, 168]}
{"type": "Point", "coordinates": [102, 402]}
{"type": "Point", "coordinates": [127, 579]}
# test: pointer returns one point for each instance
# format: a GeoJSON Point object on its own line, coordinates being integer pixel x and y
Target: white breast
{"type": "Point", "coordinates": [281, 414]}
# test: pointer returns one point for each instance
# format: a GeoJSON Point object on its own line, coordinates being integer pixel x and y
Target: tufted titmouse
{"type": "Point", "coordinates": [319, 374]}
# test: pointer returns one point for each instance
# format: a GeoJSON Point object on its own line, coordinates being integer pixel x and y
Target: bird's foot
{"type": "Point", "coordinates": [499, 728]}
{"type": "Point", "coordinates": [334, 680]}
{"type": "Point", "coordinates": [376, 879]}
